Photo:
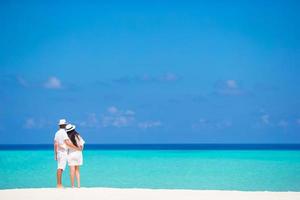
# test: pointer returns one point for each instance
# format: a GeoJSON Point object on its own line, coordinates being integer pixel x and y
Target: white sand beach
{"type": "Point", "coordinates": [140, 194]}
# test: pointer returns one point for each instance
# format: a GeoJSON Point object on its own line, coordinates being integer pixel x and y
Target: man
{"type": "Point", "coordinates": [61, 145]}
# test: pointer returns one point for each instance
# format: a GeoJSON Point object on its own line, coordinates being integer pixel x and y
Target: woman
{"type": "Point", "coordinates": [74, 156]}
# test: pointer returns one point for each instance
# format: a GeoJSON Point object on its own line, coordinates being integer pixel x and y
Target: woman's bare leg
{"type": "Point", "coordinates": [77, 173]}
{"type": "Point", "coordinates": [72, 174]}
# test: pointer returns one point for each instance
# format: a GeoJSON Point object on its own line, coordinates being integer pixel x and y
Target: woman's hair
{"type": "Point", "coordinates": [73, 135]}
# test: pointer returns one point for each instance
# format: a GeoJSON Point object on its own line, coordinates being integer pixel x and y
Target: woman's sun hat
{"type": "Point", "coordinates": [62, 122]}
{"type": "Point", "coordinates": [70, 127]}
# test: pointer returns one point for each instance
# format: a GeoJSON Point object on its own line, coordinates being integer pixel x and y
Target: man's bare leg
{"type": "Point", "coordinates": [58, 176]}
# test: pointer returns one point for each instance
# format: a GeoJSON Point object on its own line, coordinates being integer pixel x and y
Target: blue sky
{"type": "Point", "coordinates": [151, 72]}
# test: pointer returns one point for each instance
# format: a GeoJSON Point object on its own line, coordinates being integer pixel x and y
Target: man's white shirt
{"type": "Point", "coordinates": [60, 137]}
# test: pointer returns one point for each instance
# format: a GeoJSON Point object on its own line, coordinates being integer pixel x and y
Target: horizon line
{"type": "Point", "coordinates": [165, 146]}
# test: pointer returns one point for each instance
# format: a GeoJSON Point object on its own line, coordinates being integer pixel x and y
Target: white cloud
{"type": "Point", "coordinates": [265, 119]}
{"type": "Point", "coordinates": [129, 112]}
{"type": "Point", "coordinates": [212, 124]}
{"type": "Point", "coordinates": [53, 83]}
{"type": "Point", "coordinates": [146, 77]}
{"type": "Point", "coordinates": [22, 81]}
{"type": "Point", "coordinates": [231, 84]}
{"type": "Point", "coordinates": [117, 118]}
{"type": "Point", "coordinates": [91, 121]}
{"type": "Point", "coordinates": [139, 79]}
{"type": "Point", "coordinates": [116, 121]}
{"type": "Point", "coordinates": [34, 123]}
{"type": "Point", "coordinates": [149, 124]}
{"type": "Point", "coordinates": [228, 87]}
{"type": "Point", "coordinates": [30, 123]}
{"type": "Point", "coordinates": [224, 124]}
{"type": "Point", "coordinates": [283, 123]}
{"type": "Point", "coordinates": [169, 77]}
{"type": "Point", "coordinates": [201, 123]}
{"type": "Point", "coordinates": [112, 110]}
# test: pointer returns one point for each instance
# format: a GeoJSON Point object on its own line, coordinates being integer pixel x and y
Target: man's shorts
{"type": "Point", "coordinates": [62, 160]}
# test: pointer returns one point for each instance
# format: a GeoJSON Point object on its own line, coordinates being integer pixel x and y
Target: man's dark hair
{"type": "Point", "coordinates": [62, 126]}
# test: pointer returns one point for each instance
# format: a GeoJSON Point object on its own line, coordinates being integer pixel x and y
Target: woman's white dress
{"type": "Point", "coordinates": [75, 157]}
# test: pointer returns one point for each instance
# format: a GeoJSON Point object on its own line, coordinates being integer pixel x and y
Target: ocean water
{"type": "Point", "coordinates": [247, 170]}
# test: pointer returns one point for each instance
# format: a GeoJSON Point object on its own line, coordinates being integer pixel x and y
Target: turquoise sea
{"type": "Point", "coordinates": [247, 170]}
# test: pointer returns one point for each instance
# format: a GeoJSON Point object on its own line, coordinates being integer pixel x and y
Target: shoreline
{"type": "Point", "coordinates": [133, 188]}
{"type": "Point", "coordinates": [145, 194]}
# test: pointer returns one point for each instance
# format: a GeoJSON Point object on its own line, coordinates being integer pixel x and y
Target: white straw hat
{"type": "Point", "coordinates": [62, 122]}
{"type": "Point", "coordinates": [70, 127]}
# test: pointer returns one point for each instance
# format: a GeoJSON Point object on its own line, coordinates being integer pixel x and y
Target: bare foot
{"type": "Point", "coordinates": [60, 186]}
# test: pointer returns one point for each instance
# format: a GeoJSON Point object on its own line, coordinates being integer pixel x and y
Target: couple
{"type": "Point", "coordinates": [68, 146]}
